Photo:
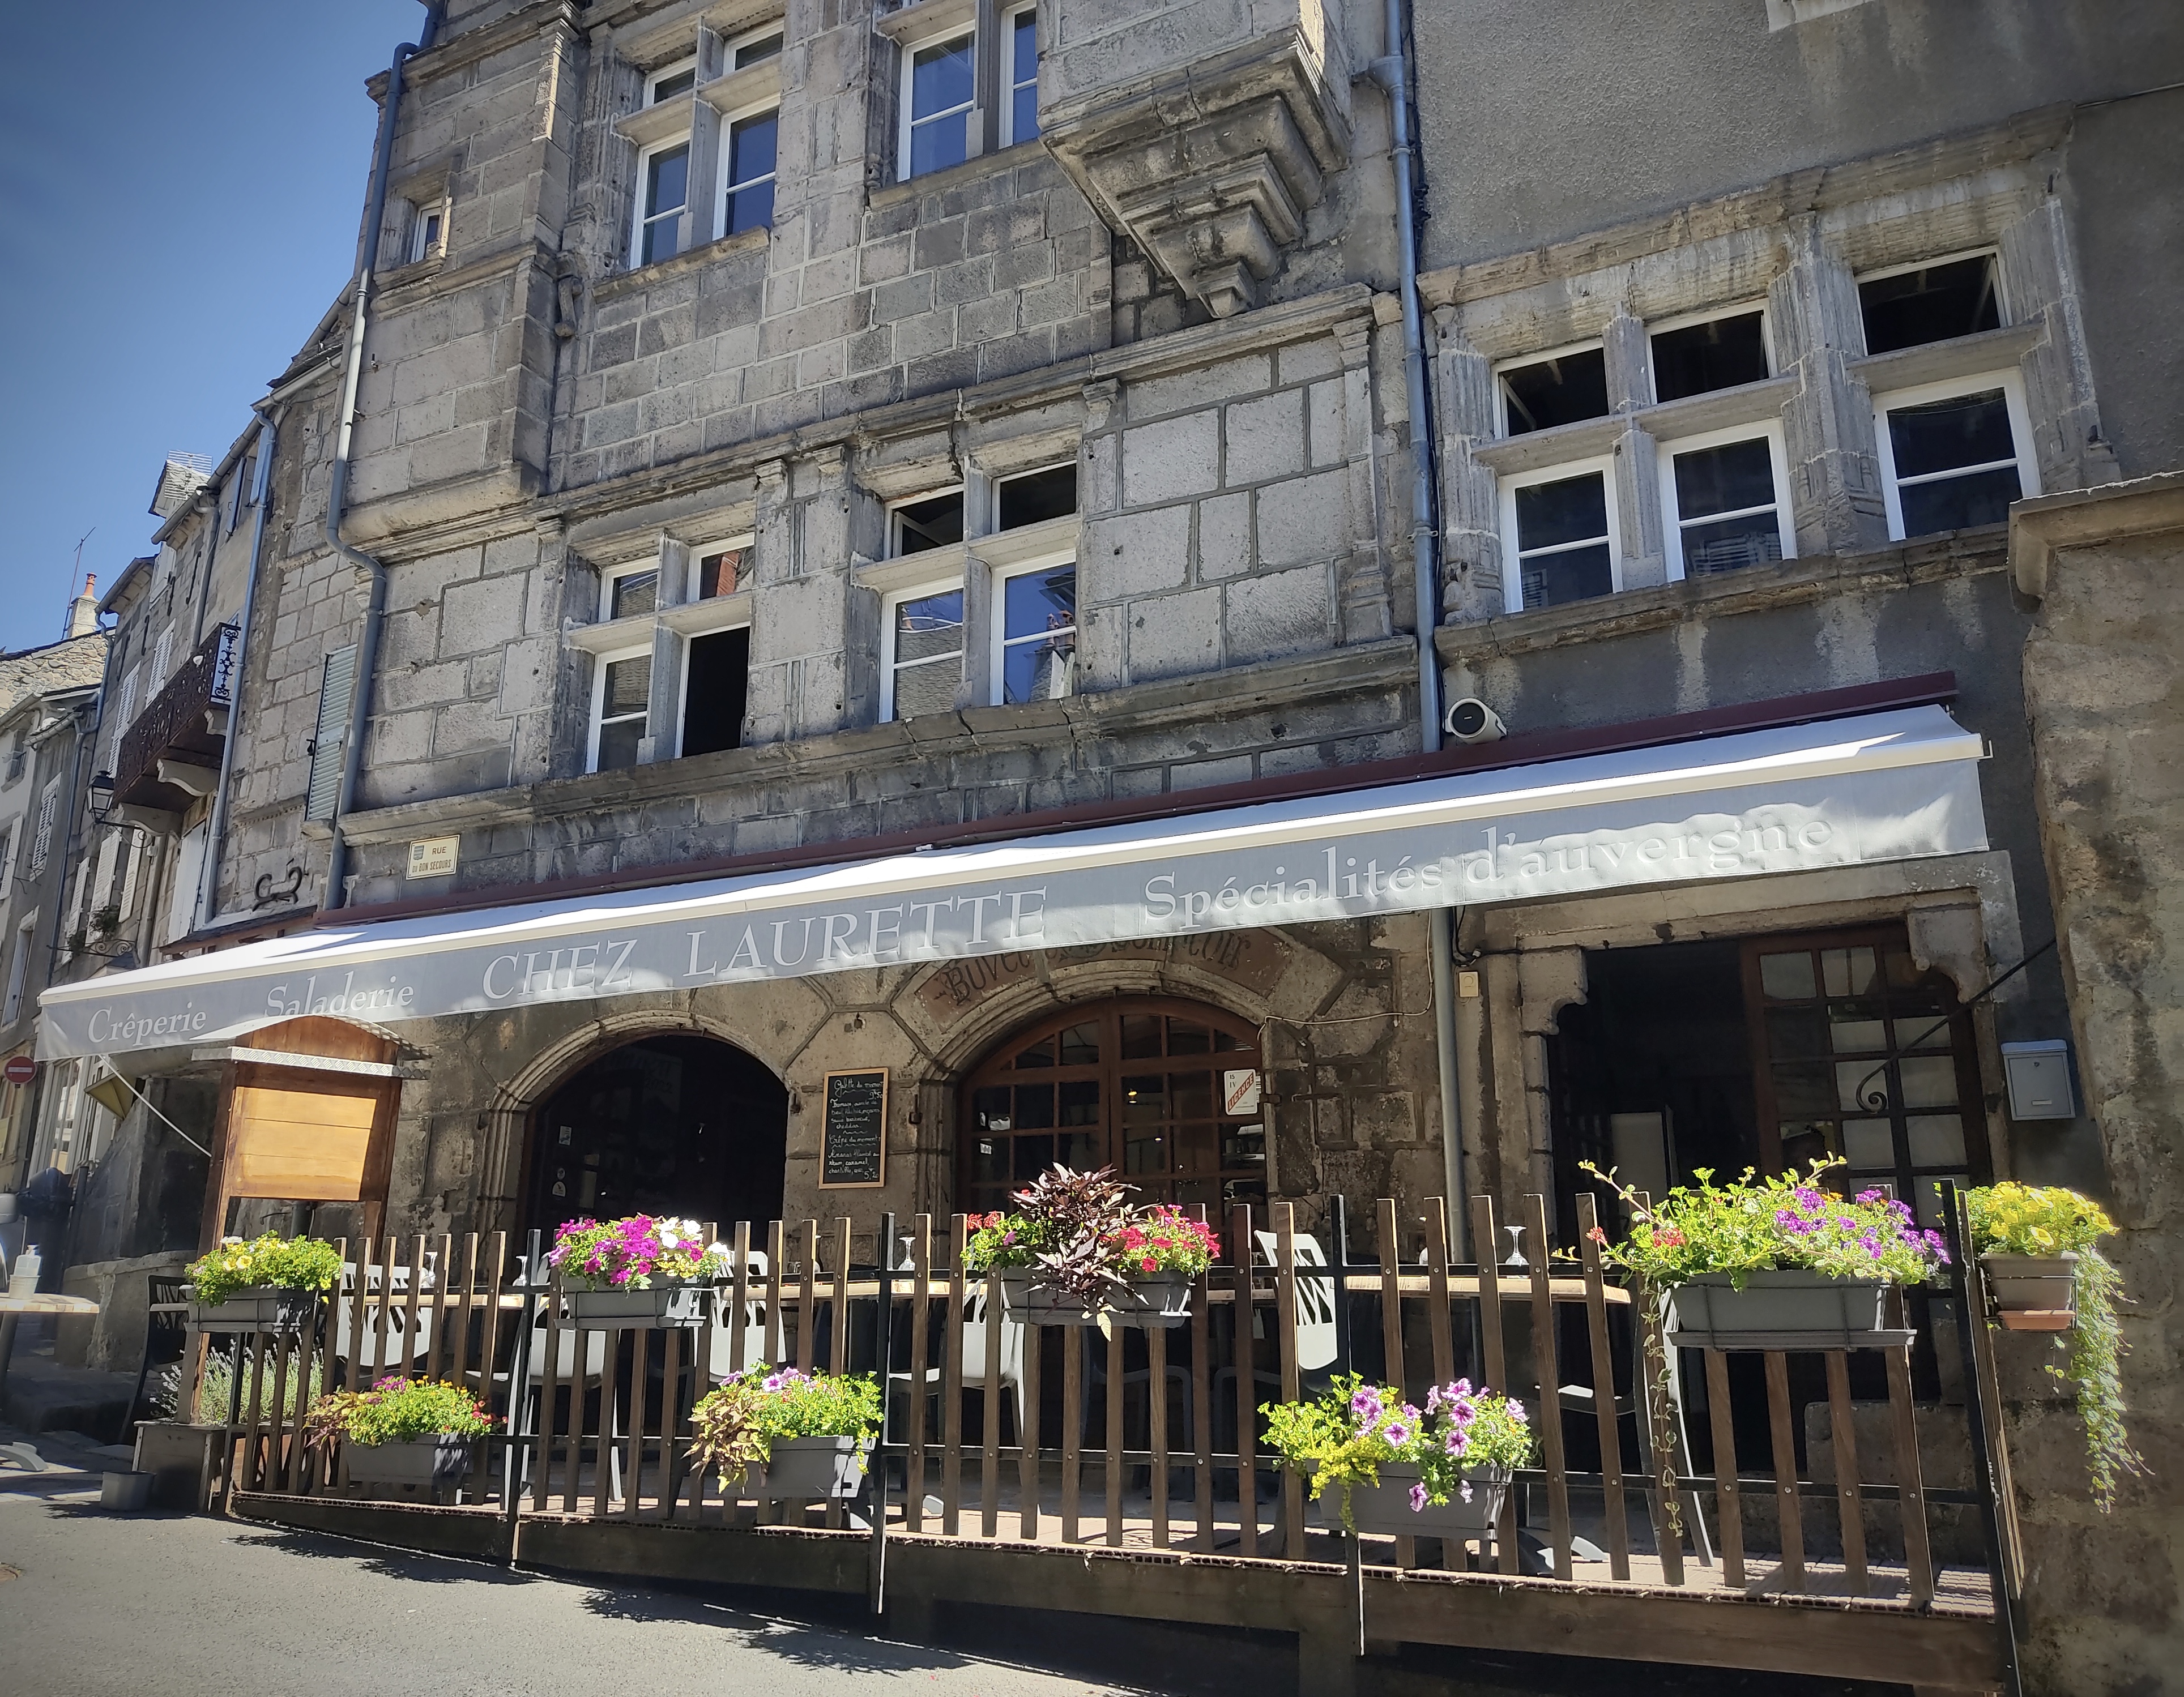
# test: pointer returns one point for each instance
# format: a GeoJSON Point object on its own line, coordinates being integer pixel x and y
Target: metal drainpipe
{"type": "Point", "coordinates": [1392, 72]}
{"type": "Point", "coordinates": [367, 651]}
{"type": "Point", "coordinates": [269, 435]}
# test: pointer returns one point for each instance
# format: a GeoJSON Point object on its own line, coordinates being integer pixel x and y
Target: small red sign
{"type": "Point", "coordinates": [21, 1070]}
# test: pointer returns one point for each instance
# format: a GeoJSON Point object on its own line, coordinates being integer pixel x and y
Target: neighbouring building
{"type": "Point", "coordinates": [887, 541]}
{"type": "Point", "coordinates": [48, 707]}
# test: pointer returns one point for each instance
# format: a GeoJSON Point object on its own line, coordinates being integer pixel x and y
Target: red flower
{"type": "Point", "coordinates": [1597, 1235]}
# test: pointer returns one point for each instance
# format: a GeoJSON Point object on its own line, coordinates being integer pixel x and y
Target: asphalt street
{"type": "Point", "coordinates": [95, 1604]}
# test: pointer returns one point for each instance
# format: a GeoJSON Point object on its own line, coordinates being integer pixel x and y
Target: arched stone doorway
{"type": "Point", "coordinates": [672, 1124]}
{"type": "Point", "coordinates": [1165, 1091]}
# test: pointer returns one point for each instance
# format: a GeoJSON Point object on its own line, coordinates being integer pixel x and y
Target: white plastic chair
{"type": "Point", "coordinates": [978, 1331]}
{"type": "Point", "coordinates": [755, 1323]}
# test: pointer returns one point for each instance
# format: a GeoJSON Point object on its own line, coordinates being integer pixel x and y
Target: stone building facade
{"type": "Point", "coordinates": [790, 442]}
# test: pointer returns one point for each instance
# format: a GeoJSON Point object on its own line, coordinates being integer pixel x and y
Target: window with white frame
{"type": "Point", "coordinates": [719, 569]}
{"type": "Point", "coordinates": [1019, 79]}
{"type": "Point", "coordinates": [1725, 501]}
{"type": "Point", "coordinates": [663, 181]}
{"type": "Point", "coordinates": [1033, 497]}
{"type": "Point", "coordinates": [1035, 655]}
{"type": "Point", "coordinates": [1954, 455]}
{"type": "Point", "coordinates": [427, 225]}
{"type": "Point", "coordinates": [1559, 528]}
{"type": "Point", "coordinates": [939, 90]}
{"type": "Point", "coordinates": [621, 700]}
{"type": "Point", "coordinates": [1937, 300]}
{"type": "Point", "coordinates": [629, 592]}
{"type": "Point", "coordinates": [924, 659]}
{"type": "Point", "coordinates": [931, 522]}
{"type": "Point", "coordinates": [705, 696]}
{"type": "Point", "coordinates": [669, 82]}
{"type": "Point", "coordinates": [747, 168]}
{"type": "Point", "coordinates": [1699, 356]}
{"type": "Point", "coordinates": [1542, 390]}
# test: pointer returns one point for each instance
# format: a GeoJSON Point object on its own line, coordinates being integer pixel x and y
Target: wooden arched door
{"type": "Point", "coordinates": [1166, 1092]}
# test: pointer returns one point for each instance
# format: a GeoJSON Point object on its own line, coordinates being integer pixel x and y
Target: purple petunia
{"type": "Point", "coordinates": [1396, 1432]}
{"type": "Point", "coordinates": [1418, 1498]}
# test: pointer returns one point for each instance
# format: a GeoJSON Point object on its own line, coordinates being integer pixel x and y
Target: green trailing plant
{"type": "Point", "coordinates": [298, 1264]}
{"type": "Point", "coordinates": [395, 1410]}
{"type": "Point", "coordinates": [735, 1426]}
{"type": "Point", "coordinates": [1759, 1224]}
{"type": "Point", "coordinates": [1344, 1436]}
{"type": "Point", "coordinates": [2034, 1220]}
{"type": "Point", "coordinates": [2049, 1220]}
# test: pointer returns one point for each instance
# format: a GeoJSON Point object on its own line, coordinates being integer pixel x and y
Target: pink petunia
{"type": "Point", "coordinates": [1418, 1498]}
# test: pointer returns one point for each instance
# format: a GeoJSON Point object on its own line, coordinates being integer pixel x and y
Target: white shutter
{"type": "Point", "coordinates": [189, 863]}
{"type": "Point", "coordinates": [42, 842]}
{"type": "Point", "coordinates": [127, 709]}
{"type": "Point", "coordinates": [161, 655]}
{"type": "Point", "coordinates": [332, 733]}
{"type": "Point", "coordinates": [13, 842]}
{"type": "Point", "coordinates": [135, 846]}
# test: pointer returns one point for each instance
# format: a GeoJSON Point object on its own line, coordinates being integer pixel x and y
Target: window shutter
{"type": "Point", "coordinates": [332, 734]}
{"type": "Point", "coordinates": [127, 710]}
{"type": "Point", "coordinates": [41, 844]}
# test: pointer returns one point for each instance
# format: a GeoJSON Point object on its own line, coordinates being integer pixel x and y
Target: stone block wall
{"type": "Point", "coordinates": [2104, 1610]}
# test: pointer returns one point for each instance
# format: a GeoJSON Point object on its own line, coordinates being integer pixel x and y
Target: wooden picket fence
{"type": "Point", "coordinates": [1151, 1438]}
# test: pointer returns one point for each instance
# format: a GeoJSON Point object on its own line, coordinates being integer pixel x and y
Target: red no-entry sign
{"type": "Point", "coordinates": [20, 1070]}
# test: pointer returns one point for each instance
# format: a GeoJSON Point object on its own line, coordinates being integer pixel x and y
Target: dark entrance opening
{"type": "Point", "coordinates": [1768, 1052]}
{"type": "Point", "coordinates": [668, 1124]}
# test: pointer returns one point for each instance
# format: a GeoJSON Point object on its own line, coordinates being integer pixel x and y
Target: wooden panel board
{"type": "Point", "coordinates": [300, 1143]}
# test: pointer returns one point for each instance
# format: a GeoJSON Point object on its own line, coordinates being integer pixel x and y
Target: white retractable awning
{"type": "Point", "coordinates": [1847, 792]}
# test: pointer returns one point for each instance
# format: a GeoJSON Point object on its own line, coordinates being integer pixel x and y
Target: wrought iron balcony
{"type": "Point", "coordinates": [170, 755]}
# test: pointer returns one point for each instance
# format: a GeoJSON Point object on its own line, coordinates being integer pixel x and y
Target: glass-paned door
{"type": "Point", "coordinates": [1857, 1054]}
{"type": "Point", "coordinates": [1167, 1092]}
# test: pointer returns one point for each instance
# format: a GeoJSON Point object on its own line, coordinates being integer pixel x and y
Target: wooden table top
{"type": "Point", "coordinates": [47, 1302]}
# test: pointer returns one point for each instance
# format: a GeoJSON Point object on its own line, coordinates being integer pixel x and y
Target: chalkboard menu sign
{"type": "Point", "coordinates": [852, 1140]}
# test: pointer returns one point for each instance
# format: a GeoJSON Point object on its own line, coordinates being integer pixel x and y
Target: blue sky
{"type": "Point", "coordinates": [182, 186]}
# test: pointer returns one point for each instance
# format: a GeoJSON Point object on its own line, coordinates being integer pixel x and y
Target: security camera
{"type": "Point", "coordinates": [1472, 721]}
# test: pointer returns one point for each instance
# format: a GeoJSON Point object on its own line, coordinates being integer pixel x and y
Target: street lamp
{"type": "Point", "coordinates": [102, 795]}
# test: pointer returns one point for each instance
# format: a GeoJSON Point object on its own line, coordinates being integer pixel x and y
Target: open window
{"type": "Point", "coordinates": [1033, 497]}
{"type": "Point", "coordinates": [1954, 455]}
{"type": "Point", "coordinates": [1559, 528]}
{"type": "Point", "coordinates": [1935, 302]}
{"type": "Point", "coordinates": [1543, 391]}
{"type": "Point", "coordinates": [716, 690]}
{"type": "Point", "coordinates": [1697, 357]}
{"type": "Point", "coordinates": [930, 522]}
{"type": "Point", "coordinates": [1725, 501]}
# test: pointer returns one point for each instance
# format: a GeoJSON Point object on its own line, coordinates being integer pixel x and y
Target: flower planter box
{"type": "Point", "coordinates": [259, 1308]}
{"type": "Point", "coordinates": [679, 1306]}
{"type": "Point", "coordinates": [1385, 1510]}
{"type": "Point", "coordinates": [1787, 1308]}
{"type": "Point", "coordinates": [1158, 1299]}
{"type": "Point", "coordinates": [438, 1461]}
{"type": "Point", "coordinates": [184, 1461]}
{"type": "Point", "coordinates": [815, 1467]}
{"type": "Point", "coordinates": [2033, 1292]}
